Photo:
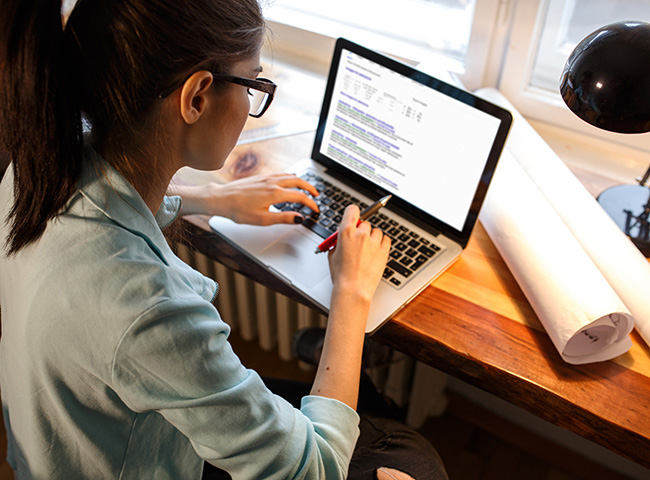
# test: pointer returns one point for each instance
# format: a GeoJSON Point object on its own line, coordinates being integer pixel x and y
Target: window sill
{"type": "Point", "coordinates": [598, 163]}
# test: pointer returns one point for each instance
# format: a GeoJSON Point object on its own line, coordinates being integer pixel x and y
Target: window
{"type": "Point", "coordinates": [416, 25]}
{"type": "Point", "coordinates": [435, 34]}
{"type": "Point", "coordinates": [543, 34]}
{"type": "Point", "coordinates": [66, 7]}
{"type": "Point", "coordinates": [567, 22]}
{"type": "Point", "coordinates": [518, 46]}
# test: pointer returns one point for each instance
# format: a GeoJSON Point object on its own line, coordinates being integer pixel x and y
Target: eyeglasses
{"type": "Point", "coordinates": [261, 91]}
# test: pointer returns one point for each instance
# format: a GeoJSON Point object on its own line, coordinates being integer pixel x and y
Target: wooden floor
{"type": "Point", "coordinates": [475, 444]}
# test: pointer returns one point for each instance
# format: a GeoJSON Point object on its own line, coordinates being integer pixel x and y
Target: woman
{"type": "Point", "coordinates": [113, 361]}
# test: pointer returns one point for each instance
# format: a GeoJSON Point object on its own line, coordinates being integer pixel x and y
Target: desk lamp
{"type": "Point", "coordinates": [606, 82]}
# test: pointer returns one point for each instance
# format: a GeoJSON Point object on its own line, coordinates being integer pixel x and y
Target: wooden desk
{"type": "Point", "coordinates": [474, 323]}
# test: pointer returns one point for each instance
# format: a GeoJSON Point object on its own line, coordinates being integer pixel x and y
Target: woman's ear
{"type": "Point", "coordinates": [193, 96]}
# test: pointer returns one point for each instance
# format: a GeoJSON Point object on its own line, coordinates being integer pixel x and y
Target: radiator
{"type": "Point", "coordinates": [270, 319]}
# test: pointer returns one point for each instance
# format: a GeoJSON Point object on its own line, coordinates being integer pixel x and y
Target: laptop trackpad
{"type": "Point", "coordinates": [293, 256]}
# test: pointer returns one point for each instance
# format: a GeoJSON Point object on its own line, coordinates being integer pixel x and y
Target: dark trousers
{"type": "Point", "coordinates": [384, 440]}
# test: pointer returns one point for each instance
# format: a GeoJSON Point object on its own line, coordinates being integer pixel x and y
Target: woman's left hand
{"type": "Point", "coordinates": [248, 200]}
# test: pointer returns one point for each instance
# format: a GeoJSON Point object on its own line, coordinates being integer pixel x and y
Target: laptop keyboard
{"type": "Point", "coordinates": [409, 250]}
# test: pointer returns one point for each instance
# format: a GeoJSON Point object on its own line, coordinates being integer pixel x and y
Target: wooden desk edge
{"type": "Point", "coordinates": [518, 391]}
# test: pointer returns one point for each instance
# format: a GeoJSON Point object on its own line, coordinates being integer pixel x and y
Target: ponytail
{"type": "Point", "coordinates": [40, 120]}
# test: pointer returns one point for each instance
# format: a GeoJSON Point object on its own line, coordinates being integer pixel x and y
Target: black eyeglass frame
{"type": "Point", "coordinates": [260, 84]}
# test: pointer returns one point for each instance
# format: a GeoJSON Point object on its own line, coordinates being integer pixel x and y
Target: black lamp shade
{"type": "Point", "coordinates": [606, 80]}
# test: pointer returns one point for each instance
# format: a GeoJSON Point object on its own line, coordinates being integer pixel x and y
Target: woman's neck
{"type": "Point", "coordinates": [147, 169]}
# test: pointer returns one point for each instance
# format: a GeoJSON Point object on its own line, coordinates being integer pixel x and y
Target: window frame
{"type": "Point", "coordinates": [539, 104]}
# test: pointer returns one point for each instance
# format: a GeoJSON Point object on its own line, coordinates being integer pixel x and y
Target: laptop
{"type": "Point", "coordinates": [385, 128]}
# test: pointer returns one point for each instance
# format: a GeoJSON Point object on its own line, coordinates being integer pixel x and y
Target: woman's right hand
{"type": "Point", "coordinates": [358, 261]}
{"type": "Point", "coordinates": [356, 265]}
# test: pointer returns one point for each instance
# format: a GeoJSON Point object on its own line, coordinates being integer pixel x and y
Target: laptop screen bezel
{"type": "Point", "coordinates": [372, 190]}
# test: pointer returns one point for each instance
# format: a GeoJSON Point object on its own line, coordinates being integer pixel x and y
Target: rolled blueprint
{"type": "Point", "coordinates": [562, 196]}
{"type": "Point", "coordinates": [584, 317]}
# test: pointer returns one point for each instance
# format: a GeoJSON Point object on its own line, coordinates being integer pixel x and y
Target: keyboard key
{"type": "Point", "coordinates": [406, 261]}
{"type": "Point", "coordinates": [426, 251]}
{"type": "Point", "coordinates": [401, 269]}
{"type": "Point", "coordinates": [316, 228]}
{"type": "Point", "coordinates": [421, 260]}
{"type": "Point", "coordinates": [416, 265]}
{"type": "Point", "coordinates": [411, 253]}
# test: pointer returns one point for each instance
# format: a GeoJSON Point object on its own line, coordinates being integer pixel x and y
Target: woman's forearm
{"type": "Point", "coordinates": [339, 368]}
{"type": "Point", "coordinates": [197, 199]}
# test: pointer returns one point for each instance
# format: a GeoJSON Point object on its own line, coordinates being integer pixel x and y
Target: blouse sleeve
{"type": "Point", "coordinates": [175, 359]}
{"type": "Point", "coordinates": [169, 210]}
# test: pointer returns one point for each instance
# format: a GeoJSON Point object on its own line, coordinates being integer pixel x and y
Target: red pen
{"type": "Point", "coordinates": [330, 242]}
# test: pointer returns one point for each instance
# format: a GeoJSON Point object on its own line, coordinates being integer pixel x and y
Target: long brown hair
{"type": "Point", "coordinates": [107, 66]}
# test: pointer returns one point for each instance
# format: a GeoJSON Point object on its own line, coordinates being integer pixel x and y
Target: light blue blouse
{"type": "Point", "coordinates": [115, 364]}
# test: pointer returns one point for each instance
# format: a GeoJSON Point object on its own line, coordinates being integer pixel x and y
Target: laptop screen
{"type": "Point", "coordinates": [407, 133]}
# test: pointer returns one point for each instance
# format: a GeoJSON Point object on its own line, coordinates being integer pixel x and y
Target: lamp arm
{"type": "Point", "coordinates": [642, 180]}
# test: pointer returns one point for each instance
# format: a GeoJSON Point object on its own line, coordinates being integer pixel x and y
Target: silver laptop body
{"type": "Point", "coordinates": [386, 127]}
